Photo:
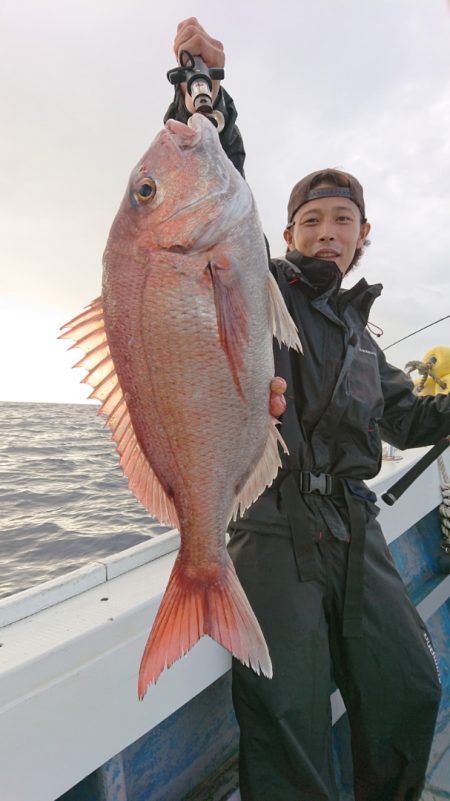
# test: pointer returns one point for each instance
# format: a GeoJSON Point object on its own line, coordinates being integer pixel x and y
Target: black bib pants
{"type": "Point", "coordinates": [387, 676]}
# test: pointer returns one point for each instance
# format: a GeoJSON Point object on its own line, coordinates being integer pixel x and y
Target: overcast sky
{"type": "Point", "coordinates": [361, 85]}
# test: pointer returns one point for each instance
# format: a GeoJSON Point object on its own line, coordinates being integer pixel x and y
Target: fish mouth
{"type": "Point", "coordinates": [204, 231]}
{"type": "Point", "coordinates": [183, 136]}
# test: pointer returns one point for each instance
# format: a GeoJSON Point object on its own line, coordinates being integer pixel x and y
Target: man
{"type": "Point", "coordinates": [309, 553]}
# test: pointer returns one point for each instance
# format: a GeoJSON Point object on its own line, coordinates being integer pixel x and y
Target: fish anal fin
{"type": "Point", "coordinates": [283, 326]}
{"type": "Point", "coordinates": [232, 314]}
{"type": "Point", "coordinates": [264, 472]}
{"type": "Point", "coordinates": [89, 335]}
{"type": "Point", "coordinates": [191, 608]}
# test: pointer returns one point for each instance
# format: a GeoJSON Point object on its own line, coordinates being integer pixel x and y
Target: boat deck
{"type": "Point", "coordinates": [73, 728]}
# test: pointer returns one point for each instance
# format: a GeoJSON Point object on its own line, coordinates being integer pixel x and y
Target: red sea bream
{"type": "Point", "coordinates": [178, 349]}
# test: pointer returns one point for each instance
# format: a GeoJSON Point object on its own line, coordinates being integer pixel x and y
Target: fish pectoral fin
{"type": "Point", "coordinates": [283, 326]}
{"type": "Point", "coordinates": [264, 471]}
{"type": "Point", "coordinates": [191, 608]}
{"type": "Point", "coordinates": [89, 334]}
{"type": "Point", "coordinates": [232, 315]}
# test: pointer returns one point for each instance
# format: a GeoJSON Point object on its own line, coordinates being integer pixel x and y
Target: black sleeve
{"type": "Point", "coordinates": [410, 421]}
{"type": "Point", "coordinates": [230, 137]}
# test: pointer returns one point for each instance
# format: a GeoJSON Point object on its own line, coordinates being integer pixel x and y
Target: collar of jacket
{"type": "Point", "coordinates": [318, 277]}
{"type": "Point", "coordinates": [322, 279]}
{"type": "Point", "coordinates": [361, 296]}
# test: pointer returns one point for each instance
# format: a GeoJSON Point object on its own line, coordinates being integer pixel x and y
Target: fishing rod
{"type": "Point", "coordinates": [198, 78]}
{"type": "Point", "coordinates": [416, 332]}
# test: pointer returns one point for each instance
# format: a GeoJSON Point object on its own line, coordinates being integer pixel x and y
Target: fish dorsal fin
{"type": "Point", "coordinates": [89, 334]}
{"type": "Point", "coordinates": [283, 326]}
{"type": "Point", "coordinates": [264, 472]}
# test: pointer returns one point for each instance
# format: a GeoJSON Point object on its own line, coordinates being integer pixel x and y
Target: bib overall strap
{"type": "Point", "coordinates": [354, 583]}
{"type": "Point", "coordinates": [304, 525]}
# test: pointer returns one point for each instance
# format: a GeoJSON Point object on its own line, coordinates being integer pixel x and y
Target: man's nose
{"type": "Point", "coordinates": [326, 232]}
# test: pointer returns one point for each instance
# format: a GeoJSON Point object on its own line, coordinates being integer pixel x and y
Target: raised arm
{"type": "Point", "coordinates": [192, 37]}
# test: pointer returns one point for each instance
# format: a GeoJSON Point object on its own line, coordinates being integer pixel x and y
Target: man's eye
{"type": "Point", "coordinates": [344, 218]}
{"type": "Point", "coordinates": [310, 221]}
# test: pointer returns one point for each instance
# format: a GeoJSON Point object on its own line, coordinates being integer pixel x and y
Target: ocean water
{"type": "Point", "coordinates": [64, 500]}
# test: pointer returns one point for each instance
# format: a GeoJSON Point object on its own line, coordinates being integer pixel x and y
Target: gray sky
{"type": "Point", "coordinates": [358, 84]}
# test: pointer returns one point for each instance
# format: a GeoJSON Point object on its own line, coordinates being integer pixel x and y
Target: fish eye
{"type": "Point", "coordinates": [146, 191]}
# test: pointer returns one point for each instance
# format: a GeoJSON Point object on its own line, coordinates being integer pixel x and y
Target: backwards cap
{"type": "Point", "coordinates": [345, 185]}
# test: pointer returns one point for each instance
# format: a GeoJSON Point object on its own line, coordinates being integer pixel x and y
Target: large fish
{"type": "Point", "coordinates": [179, 352]}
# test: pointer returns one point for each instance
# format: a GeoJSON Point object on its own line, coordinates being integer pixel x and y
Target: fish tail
{"type": "Point", "coordinates": [191, 608]}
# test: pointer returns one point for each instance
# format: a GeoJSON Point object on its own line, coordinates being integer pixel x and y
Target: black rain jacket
{"type": "Point", "coordinates": [342, 395]}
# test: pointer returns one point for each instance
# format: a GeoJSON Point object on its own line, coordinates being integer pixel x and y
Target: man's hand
{"type": "Point", "coordinates": [192, 37]}
{"type": "Point", "coordinates": [277, 401]}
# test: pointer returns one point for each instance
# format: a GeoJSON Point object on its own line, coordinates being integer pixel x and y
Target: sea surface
{"type": "Point", "coordinates": [64, 501]}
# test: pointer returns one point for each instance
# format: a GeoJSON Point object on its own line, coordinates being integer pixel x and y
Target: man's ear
{"type": "Point", "coordinates": [287, 234]}
{"type": "Point", "coordinates": [363, 234]}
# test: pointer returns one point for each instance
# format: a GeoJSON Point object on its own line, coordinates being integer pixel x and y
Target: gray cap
{"type": "Point", "coordinates": [345, 185]}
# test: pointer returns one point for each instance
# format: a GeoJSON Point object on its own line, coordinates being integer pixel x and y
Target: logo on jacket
{"type": "Point", "coordinates": [370, 352]}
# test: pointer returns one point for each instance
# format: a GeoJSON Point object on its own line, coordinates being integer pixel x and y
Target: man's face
{"type": "Point", "coordinates": [329, 228]}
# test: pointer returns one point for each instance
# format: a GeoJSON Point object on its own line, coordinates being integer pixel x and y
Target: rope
{"type": "Point", "coordinates": [425, 369]}
{"type": "Point", "coordinates": [444, 508]}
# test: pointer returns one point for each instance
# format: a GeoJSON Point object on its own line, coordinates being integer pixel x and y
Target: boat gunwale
{"type": "Point", "coordinates": [20, 605]}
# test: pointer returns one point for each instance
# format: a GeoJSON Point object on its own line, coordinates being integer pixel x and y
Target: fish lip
{"type": "Point", "coordinates": [191, 136]}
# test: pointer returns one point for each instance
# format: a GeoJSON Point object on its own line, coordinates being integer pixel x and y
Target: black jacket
{"type": "Point", "coordinates": [342, 395]}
